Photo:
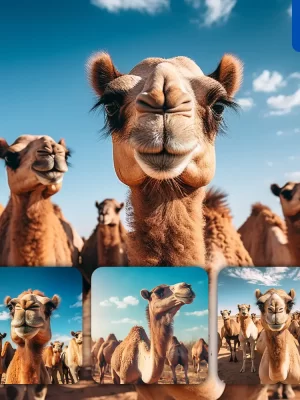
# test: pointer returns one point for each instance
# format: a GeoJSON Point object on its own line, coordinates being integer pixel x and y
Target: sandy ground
{"type": "Point", "coordinates": [166, 377]}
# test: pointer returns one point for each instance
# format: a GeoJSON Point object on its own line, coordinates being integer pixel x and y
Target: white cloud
{"type": "Point", "coordinates": [246, 103]}
{"type": "Point", "coordinates": [282, 105]}
{"type": "Point", "coordinates": [292, 158]}
{"type": "Point", "coordinates": [270, 164]}
{"type": "Point", "coordinates": [271, 276]}
{"type": "Point", "coordinates": [77, 318]}
{"type": "Point", "coordinates": [127, 301]}
{"type": "Point", "coordinates": [56, 316]}
{"type": "Point", "coordinates": [295, 75]}
{"type": "Point", "coordinates": [279, 133]}
{"type": "Point", "coordinates": [4, 315]}
{"type": "Point", "coordinates": [61, 338]}
{"type": "Point", "coordinates": [293, 176]}
{"type": "Point", "coordinates": [127, 321]}
{"type": "Point", "coordinates": [268, 82]}
{"type": "Point", "coordinates": [197, 313]}
{"type": "Point", "coordinates": [1, 305]}
{"type": "Point", "coordinates": [216, 10]}
{"type": "Point", "coordinates": [196, 328]}
{"type": "Point", "coordinates": [78, 302]}
{"type": "Point", "coordinates": [289, 10]}
{"type": "Point", "coordinates": [296, 130]}
{"type": "Point", "coordinates": [148, 6]}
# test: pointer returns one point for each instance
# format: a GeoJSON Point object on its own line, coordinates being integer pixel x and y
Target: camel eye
{"type": "Point", "coordinates": [287, 194]}
{"type": "Point", "coordinates": [290, 305]}
{"type": "Point", "coordinates": [112, 108]}
{"type": "Point", "coordinates": [160, 293]}
{"type": "Point", "coordinates": [218, 109]}
{"type": "Point", "coordinates": [12, 160]}
{"type": "Point", "coordinates": [260, 306]}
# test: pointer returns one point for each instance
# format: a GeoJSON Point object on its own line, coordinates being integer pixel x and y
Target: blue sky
{"type": "Point", "coordinates": [117, 304]}
{"type": "Point", "coordinates": [238, 285]}
{"type": "Point", "coordinates": [44, 90]}
{"type": "Point", "coordinates": [65, 282]}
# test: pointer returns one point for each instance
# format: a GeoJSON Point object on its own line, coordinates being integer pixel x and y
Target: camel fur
{"type": "Point", "coordinates": [199, 353]}
{"type": "Point", "coordinates": [248, 334]}
{"type": "Point", "coordinates": [105, 354]}
{"type": "Point", "coordinates": [177, 354]}
{"type": "Point", "coordinates": [73, 356]}
{"type": "Point", "coordinates": [6, 355]}
{"type": "Point", "coordinates": [231, 333]}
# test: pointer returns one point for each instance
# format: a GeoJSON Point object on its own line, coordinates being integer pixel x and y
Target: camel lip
{"type": "Point", "coordinates": [276, 327]}
{"type": "Point", "coordinates": [185, 299]}
{"type": "Point", "coordinates": [49, 177]}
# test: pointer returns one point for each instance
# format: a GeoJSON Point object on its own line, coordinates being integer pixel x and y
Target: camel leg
{"type": "Point", "coordinates": [252, 347]}
{"type": "Point", "coordinates": [287, 392]}
{"type": "Point", "coordinates": [61, 374]}
{"type": "Point", "coordinates": [230, 348]}
{"type": "Point", "coordinates": [174, 374]}
{"type": "Point", "coordinates": [244, 348]}
{"type": "Point", "coordinates": [73, 373]}
{"type": "Point", "coordinates": [54, 376]}
{"type": "Point", "coordinates": [37, 392]}
{"type": "Point", "coordinates": [235, 344]}
{"type": "Point", "coordinates": [115, 377]}
{"type": "Point", "coordinates": [194, 364]}
{"type": "Point", "coordinates": [15, 392]}
{"type": "Point", "coordinates": [186, 367]}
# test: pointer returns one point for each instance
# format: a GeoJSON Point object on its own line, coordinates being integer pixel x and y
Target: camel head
{"type": "Point", "coordinates": [289, 196]}
{"type": "Point", "coordinates": [31, 312]}
{"type": "Point", "coordinates": [225, 314]}
{"type": "Point", "coordinates": [165, 300]}
{"type": "Point", "coordinates": [275, 306]}
{"type": "Point", "coordinates": [164, 116]}
{"type": "Point", "coordinates": [111, 336]}
{"type": "Point", "coordinates": [77, 336]}
{"type": "Point", "coordinates": [109, 212]}
{"type": "Point", "coordinates": [253, 316]}
{"type": "Point", "coordinates": [244, 310]}
{"type": "Point", "coordinates": [57, 346]}
{"type": "Point", "coordinates": [35, 162]}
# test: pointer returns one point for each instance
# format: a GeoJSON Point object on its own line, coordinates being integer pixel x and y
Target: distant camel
{"type": "Point", "coordinates": [199, 353]}
{"type": "Point", "coordinates": [177, 354]}
{"type": "Point", "coordinates": [231, 333]}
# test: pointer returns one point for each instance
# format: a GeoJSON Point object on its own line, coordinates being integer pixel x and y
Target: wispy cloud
{"type": "Point", "coordinates": [61, 338]}
{"type": "Point", "coordinates": [279, 133]}
{"type": "Point", "coordinates": [56, 315]}
{"type": "Point", "coordinates": [77, 318]}
{"type": "Point", "coordinates": [217, 11]}
{"type": "Point", "coordinates": [289, 10]}
{"type": "Point", "coordinates": [293, 176]}
{"type": "Point", "coordinates": [282, 105]}
{"type": "Point", "coordinates": [4, 315]}
{"type": "Point", "coordinates": [271, 276]}
{"type": "Point", "coordinates": [114, 300]}
{"type": "Point", "coordinates": [197, 313]}
{"type": "Point", "coordinates": [78, 302]}
{"type": "Point", "coordinates": [147, 6]}
{"type": "Point", "coordinates": [246, 103]}
{"type": "Point", "coordinates": [295, 75]}
{"type": "Point", "coordinates": [269, 164]}
{"type": "Point", "coordinates": [127, 321]}
{"type": "Point", "coordinates": [196, 328]}
{"type": "Point", "coordinates": [268, 82]}
{"type": "Point", "coordinates": [1, 305]}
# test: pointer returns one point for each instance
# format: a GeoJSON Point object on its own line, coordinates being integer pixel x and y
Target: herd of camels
{"type": "Point", "coordinates": [163, 118]}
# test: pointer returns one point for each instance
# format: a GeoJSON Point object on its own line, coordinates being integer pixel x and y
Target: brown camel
{"type": "Point", "coordinates": [177, 354]}
{"type": "Point", "coordinates": [73, 356]}
{"type": "Point", "coordinates": [219, 342]}
{"type": "Point", "coordinates": [199, 353]}
{"type": "Point", "coordinates": [105, 354]}
{"type": "Point", "coordinates": [1, 209]}
{"type": "Point", "coordinates": [30, 232]}
{"type": "Point", "coordinates": [278, 366]}
{"type": "Point", "coordinates": [264, 235]}
{"type": "Point", "coordinates": [294, 326]}
{"type": "Point", "coordinates": [94, 352]}
{"type": "Point", "coordinates": [53, 362]}
{"type": "Point", "coordinates": [6, 355]}
{"type": "Point", "coordinates": [223, 244]}
{"type": "Point", "coordinates": [30, 330]}
{"type": "Point", "coordinates": [257, 323]}
{"type": "Point", "coordinates": [139, 359]}
{"type": "Point", "coordinates": [289, 196]}
{"type": "Point", "coordinates": [164, 117]}
{"type": "Point", "coordinates": [231, 332]}
{"type": "Point", "coordinates": [107, 244]}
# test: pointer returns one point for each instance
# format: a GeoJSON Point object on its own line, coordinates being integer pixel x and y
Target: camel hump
{"type": "Point", "coordinates": [137, 333]}
{"type": "Point", "coordinates": [111, 336]}
{"type": "Point", "coordinates": [217, 200]}
{"type": "Point", "coordinates": [267, 215]}
{"type": "Point", "coordinates": [6, 346]}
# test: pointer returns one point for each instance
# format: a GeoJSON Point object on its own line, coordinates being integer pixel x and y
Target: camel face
{"type": "Point", "coordinates": [78, 336]}
{"type": "Point", "coordinates": [244, 310]}
{"type": "Point", "coordinates": [57, 346]}
{"type": "Point", "coordinates": [225, 314]}
{"type": "Point", "coordinates": [275, 307]}
{"type": "Point", "coordinates": [109, 212]}
{"type": "Point", "coordinates": [289, 196]}
{"type": "Point", "coordinates": [31, 313]}
{"type": "Point", "coordinates": [164, 299]}
{"type": "Point", "coordinates": [164, 116]}
{"type": "Point", "coordinates": [34, 161]}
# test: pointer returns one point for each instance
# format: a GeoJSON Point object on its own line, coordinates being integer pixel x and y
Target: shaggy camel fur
{"type": "Point", "coordinates": [294, 327]}
{"type": "Point", "coordinates": [30, 232]}
{"type": "Point", "coordinates": [53, 362]}
{"type": "Point", "coordinates": [95, 351]}
{"type": "Point", "coordinates": [222, 241]}
{"type": "Point", "coordinates": [164, 117]}
{"type": "Point", "coordinates": [248, 334]}
{"type": "Point", "coordinates": [231, 332]}
{"type": "Point", "coordinates": [30, 330]}
{"type": "Point", "coordinates": [6, 355]}
{"type": "Point", "coordinates": [289, 196]}
{"type": "Point", "coordinates": [107, 244]}
{"type": "Point", "coordinates": [264, 235]}
{"type": "Point", "coordinates": [73, 355]}
{"type": "Point", "coordinates": [177, 354]}
{"type": "Point", "coordinates": [199, 353]}
{"type": "Point", "coordinates": [140, 359]}
{"type": "Point", "coordinates": [281, 360]}
{"type": "Point", "coordinates": [105, 354]}
{"type": "Point", "coordinates": [257, 323]}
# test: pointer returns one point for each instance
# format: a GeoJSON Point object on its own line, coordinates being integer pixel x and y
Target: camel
{"type": "Point", "coordinates": [107, 244]}
{"type": "Point", "coordinates": [264, 235]}
{"type": "Point", "coordinates": [6, 355]}
{"type": "Point", "coordinates": [65, 369]}
{"type": "Point", "coordinates": [105, 354]}
{"type": "Point", "coordinates": [219, 342]}
{"type": "Point", "coordinates": [199, 353]}
{"type": "Point", "coordinates": [164, 148]}
{"type": "Point", "coordinates": [237, 318]}
{"type": "Point", "coordinates": [30, 232]}
{"type": "Point", "coordinates": [257, 323]}
{"type": "Point", "coordinates": [248, 334]}
{"type": "Point", "coordinates": [223, 244]}
{"type": "Point", "coordinates": [30, 330]}
{"type": "Point", "coordinates": [73, 356]}
{"type": "Point", "coordinates": [1, 209]}
{"type": "Point", "coordinates": [53, 362]}
{"type": "Point", "coordinates": [294, 326]}
{"type": "Point", "coordinates": [280, 362]}
{"type": "Point", "coordinates": [177, 354]}
{"type": "Point", "coordinates": [95, 350]}
{"type": "Point", "coordinates": [231, 332]}
{"type": "Point", "coordinates": [290, 204]}
{"type": "Point", "coordinates": [139, 359]}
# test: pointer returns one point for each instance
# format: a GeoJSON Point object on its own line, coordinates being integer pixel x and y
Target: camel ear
{"type": "Point", "coordinates": [7, 300]}
{"type": "Point", "coordinates": [101, 71]}
{"type": "Point", "coordinates": [3, 148]}
{"type": "Point", "coordinates": [3, 335]}
{"type": "Point", "coordinates": [145, 294]}
{"type": "Point", "coordinates": [229, 73]}
{"type": "Point", "coordinates": [62, 345]}
{"type": "Point", "coordinates": [238, 306]}
{"type": "Point", "coordinates": [55, 301]}
{"type": "Point", "coordinates": [73, 333]}
{"type": "Point", "coordinates": [229, 312]}
{"type": "Point", "coordinates": [221, 312]}
{"type": "Point", "coordinates": [292, 293]}
{"type": "Point", "coordinates": [62, 142]}
{"type": "Point", "coordinates": [97, 204]}
{"type": "Point", "coordinates": [119, 208]}
{"type": "Point", "coordinates": [258, 293]}
{"type": "Point", "coordinates": [275, 189]}
{"type": "Point", "coordinates": [249, 306]}
{"type": "Point", "coordinates": [51, 344]}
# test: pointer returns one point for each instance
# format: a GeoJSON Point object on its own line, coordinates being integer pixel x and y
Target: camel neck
{"type": "Point", "coordinates": [30, 361]}
{"type": "Point", "coordinates": [277, 350]}
{"type": "Point", "coordinates": [244, 322]}
{"type": "Point", "coordinates": [227, 326]}
{"type": "Point", "coordinates": [166, 232]}
{"type": "Point", "coordinates": [293, 241]}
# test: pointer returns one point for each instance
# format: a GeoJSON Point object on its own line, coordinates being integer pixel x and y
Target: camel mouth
{"type": "Point", "coordinates": [185, 299]}
{"type": "Point", "coordinates": [276, 327]}
{"type": "Point", "coordinates": [26, 331]}
{"type": "Point", "coordinates": [49, 177]}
